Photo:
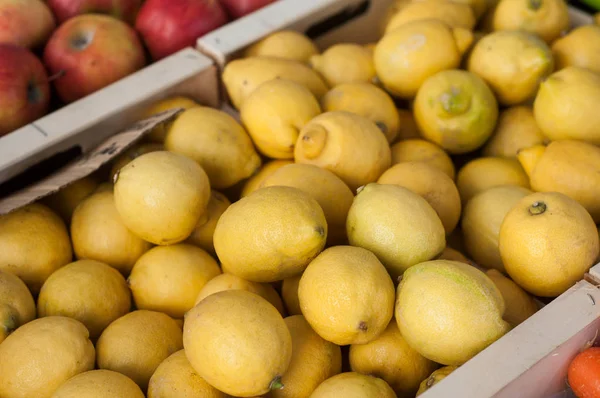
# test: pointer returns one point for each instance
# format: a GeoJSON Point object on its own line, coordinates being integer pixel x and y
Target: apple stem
{"type": "Point", "coordinates": [55, 76]}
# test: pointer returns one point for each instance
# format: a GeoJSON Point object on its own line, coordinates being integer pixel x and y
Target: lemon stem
{"type": "Point", "coordinates": [537, 208]}
{"type": "Point", "coordinates": [276, 383]}
{"type": "Point", "coordinates": [535, 4]}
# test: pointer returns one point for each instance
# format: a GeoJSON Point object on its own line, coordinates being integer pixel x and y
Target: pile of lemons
{"type": "Point", "coordinates": [366, 220]}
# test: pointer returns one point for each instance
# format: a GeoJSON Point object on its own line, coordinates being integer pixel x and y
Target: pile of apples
{"type": "Point", "coordinates": [81, 46]}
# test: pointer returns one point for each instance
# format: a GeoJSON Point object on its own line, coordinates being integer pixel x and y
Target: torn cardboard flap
{"type": "Point", "coordinates": [86, 164]}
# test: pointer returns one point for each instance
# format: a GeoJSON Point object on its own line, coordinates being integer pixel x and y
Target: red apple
{"type": "Point", "coordinates": [167, 26]}
{"type": "Point", "coordinates": [239, 8]}
{"type": "Point", "coordinates": [125, 10]}
{"type": "Point", "coordinates": [26, 23]}
{"type": "Point", "coordinates": [92, 51]}
{"type": "Point", "coordinates": [24, 89]}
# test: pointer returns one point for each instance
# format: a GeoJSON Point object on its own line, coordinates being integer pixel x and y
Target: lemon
{"type": "Point", "coordinates": [407, 56]}
{"type": "Point", "coordinates": [483, 173]}
{"type": "Point", "coordinates": [353, 385]}
{"type": "Point", "coordinates": [435, 378]}
{"type": "Point", "coordinates": [564, 108]}
{"type": "Point", "coordinates": [417, 150]}
{"type": "Point", "coordinates": [512, 63]}
{"type": "Point", "coordinates": [449, 311]}
{"type": "Point", "coordinates": [159, 132]}
{"type": "Point", "coordinates": [569, 167]}
{"type": "Point", "coordinates": [254, 182]}
{"type": "Point", "coordinates": [34, 243]}
{"type": "Point", "coordinates": [242, 76]}
{"type": "Point", "coordinates": [98, 233]}
{"type": "Point", "coordinates": [332, 194]}
{"type": "Point", "coordinates": [432, 184]}
{"type": "Point", "coordinates": [275, 113]}
{"type": "Point", "coordinates": [137, 343]}
{"type": "Point", "coordinates": [454, 14]}
{"type": "Point", "coordinates": [453, 255]}
{"type": "Point", "coordinates": [596, 17]}
{"type": "Point", "coordinates": [313, 360]}
{"type": "Point", "coordinates": [580, 47]}
{"type": "Point", "coordinates": [16, 304]}
{"type": "Point", "coordinates": [175, 378]}
{"type": "Point", "coordinates": [91, 292]}
{"type": "Point", "coordinates": [132, 153]}
{"type": "Point", "coordinates": [345, 63]}
{"type": "Point", "coordinates": [516, 130]}
{"type": "Point", "coordinates": [217, 142]}
{"type": "Point", "coordinates": [271, 234]}
{"type": "Point", "coordinates": [366, 100]}
{"type": "Point", "coordinates": [545, 18]}
{"type": "Point", "coordinates": [349, 145]}
{"type": "Point", "coordinates": [392, 9]}
{"type": "Point", "coordinates": [286, 44]}
{"type": "Point", "coordinates": [66, 200]}
{"type": "Point", "coordinates": [231, 282]}
{"type": "Point", "coordinates": [390, 358]}
{"type": "Point", "coordinates": [456, 110]}
{"type": "Point", "coordinates": [241, 325]}
{"type": "Point", "coordinates": [168, 278]}
{"type": "Point", "coordinates": [99, 384]}
{"type": "Point", "coordinates": [289, 293]}
{"type": "Point", "coordinates": [408, 126]}
{"type": "Point", "coordinates": [346, 295]}
{"type": "Point", "coordinates": [519, 304]}
{"type": "Point", "coordinates": [202, 235]}
{"type": "Point", "coordinates": [383, 215]}
{"type": "Point", "coordinates": [160, 196]}
{"type": "Point", "coordinates": [43, 354]}
{"type": "Point", "coordinates": [547, 242]}
{"type": "Point", "coordinates": [481, 221]}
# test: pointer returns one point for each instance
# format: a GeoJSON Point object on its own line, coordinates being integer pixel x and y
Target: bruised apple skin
{"type": "Point", "coordinates": [125, 10]}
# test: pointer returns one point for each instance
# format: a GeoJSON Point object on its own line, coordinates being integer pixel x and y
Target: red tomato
{"type": "Point", "coordinates": [584, 373]}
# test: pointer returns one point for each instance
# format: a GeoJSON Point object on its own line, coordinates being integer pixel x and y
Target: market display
{"type": "Point", "coordinates": [359, 220]}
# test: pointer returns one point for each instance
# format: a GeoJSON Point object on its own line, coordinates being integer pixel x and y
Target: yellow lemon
{"type": "Point", "coordinates": [390, 357]}
{"type": "Point", "coordinates": [346, 295]}
{"type": "Point", "coordinates": [160, 196]}
{"type": "Point", "coordinates": [407, 56]}
{"type": "Point", "coordinates": [202, 235]}
{"type": "Point", "coordinates": [546, 18]}
{"type": "Point", "coordinates": [488, 172]}
{"type": "Point", "coordinates": [432, 184]}
{"type": "Point", "coordinates": [383, 215]}
{"type": "Point", "coordinates": [34, 243]}
{"type": "Point", "coordinates": [519, 304]}
{"type": "Point", "coordinates": [99, 384]}
{"type": "Point", "coordinates": [241, 325]}
{"type": "Point", "coordinates": [159, 132]}
{"type": "Point", "coordinates": [454, 14]}
{"type": "Point", "coordinates": [313, 360]}
{"type": "Point", "coordinates": [242, 76]}
{"type": "Point", "coordinates": [132, 153]}
{"type": "Point", "coordinates": [449, 311]}
{"type": "Point", "coordinates": [435, 378]}
{"type": "Point", "coordinates": [43, 354]}
{"type": "Point", "coordinates": [91, 292]}
{"type": "Point", "coordinates": [456, 110]}
{"type": "Point", "coordinates": [547, 242]}
{"type": "Point", "coordinates": [565, 107]}
{"type": "Point", "coordinates": [275, 113]}
{"type": "Point", "coordinates": [366, 100]}
{"type": "Point", "coordinates": [578, 48]}
{"type": "Point", "coordinates": [254, 182]}
{"type": "Point", "coordinates": [332, 194]}
{"type": "Point", "coordinates": [289, 293]}
{"type": "Point", "coordinates": [345, 63]}
{"type": "Point", "coordinates": [231, 282]}
{"type": "Point", "coordinates": [349, 145]}
{"type": "Point", "coordinates": [353, 385]}
{"type": "Point", "coordinates": [408, 126]}
{"type": "Point", "coordinates": [286, 44]}
{"type": "Point", "coordinates": [168, 278]}
{"type": "Point", "coordinates": [481, 221]}
{"type": "Point", "coordinates": [66, 200]}
{"type": "Point", "coordinates": [453, 255]}
{"type": "Point", "coordinates": [512, 63]}
{"type": "Point", "coordinates": [271, 234]}
{"type": "Point", "coordinates": [175, 378]}
{"type": "Point", "coordinates": [516, 130]}
{"type": "Point", "coordinates": [98, 233]}
{"type": "Point", "coordinates": [217, 142]}
{"type": "Point", "coordinates": [569, 167]}
{"type": "Point", "coordinates": [16, 304]}
{"type": "Point", "coordinates": [417, 150]}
